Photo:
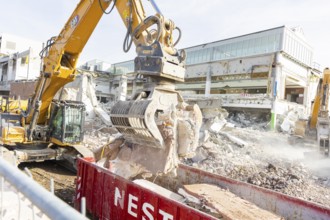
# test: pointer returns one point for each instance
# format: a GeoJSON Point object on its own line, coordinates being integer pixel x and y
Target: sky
{"type": "Point", "coordinates": [200, 21]}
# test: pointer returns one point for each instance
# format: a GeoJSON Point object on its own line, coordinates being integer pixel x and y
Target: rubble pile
{"type": "Point", "coordinates": [253, 120]}
{"type": "Point", "coordinates": [97, 134]}
{"type": "Point", "coordinates": [232, 147]}
{"type": "Point", "coordinates": [266, 159]}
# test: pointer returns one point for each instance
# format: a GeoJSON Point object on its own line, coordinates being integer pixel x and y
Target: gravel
{"type": "Point", "coordinates": [267, 161]}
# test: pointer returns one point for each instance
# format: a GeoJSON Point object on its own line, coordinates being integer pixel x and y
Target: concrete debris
{"type": "Point", "coordinates": [234, 139]}
{"type": "Point", "coordinates": [227, 204]}
{"type": "Point", "coordinates": [83, 89]}
{"type": "Point", "coordinates": [289, 122]}
{"type": "Point", "coordinates": [201, 154]}
{"type": "Point", "coordinates": [189, 123]}
{"type": "Point", "coordinates": [210, 113]}
{"type": "Point", "coordinates": [267, 161]}
{"type": "Point", "coordinates": [203, 136]}
{"type": "Point", "coordinates": [198, 204]}
{"type": "Point", "coordinates": [104, 116]}
{"type": "Point", "coordinates": [256, 120]}
{"type": "Point", "coordinates": [239, 147]}
{"type": "Point", "coordinates": [300, 128]}
{"type": "Point", "coordinates": [217, 126]}
{"type": "Point", "coordinates": [295, 123]}
{"type": "Point", "coordinates": [179, 128]}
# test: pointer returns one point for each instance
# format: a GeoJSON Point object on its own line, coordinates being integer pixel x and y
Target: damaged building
{"type": "Point", "coordinates": [19, 61]}
{"type": "Point", "coordinates": [271, 71]}
{"type": "Point", "coordinates": [101, 73]}
{"type": "Point", "coordinates": [20, 66]}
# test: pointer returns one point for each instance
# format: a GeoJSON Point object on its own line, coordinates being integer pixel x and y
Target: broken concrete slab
{"type": "Point", "coordinates": [234, 139]}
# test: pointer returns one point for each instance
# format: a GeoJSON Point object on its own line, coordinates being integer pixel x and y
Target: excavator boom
{"type": "Point", "coordinates": [151, 121]}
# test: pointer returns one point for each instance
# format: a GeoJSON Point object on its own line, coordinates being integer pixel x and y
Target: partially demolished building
{"type": "Point", "coordinates": [270, 70]}
{"type": "Point", "coordinates": [19, 61]}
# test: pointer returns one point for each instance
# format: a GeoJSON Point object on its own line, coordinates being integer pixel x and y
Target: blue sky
{"type": "Point", "coordinates": [200, 21]}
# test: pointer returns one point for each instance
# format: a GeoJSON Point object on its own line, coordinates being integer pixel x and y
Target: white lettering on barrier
{"type": "Point", "coordinates": [119, 198]}
{"type": "Point", "coordinates": [147, 208]}
{"type": "Point", "coordinates": [165, 215]}
{"type": "Point", "coordinates": [132, 205]}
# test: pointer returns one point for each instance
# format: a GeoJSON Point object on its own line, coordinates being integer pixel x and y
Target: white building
{"type": "Point", "coordinates": [19, 60]}
{"type": "Point", "coordinates": [270, 70]}
{"type": "Point", "coordinates": [96, 65]}
{"type": "Point", "coordinates": [101, 71]}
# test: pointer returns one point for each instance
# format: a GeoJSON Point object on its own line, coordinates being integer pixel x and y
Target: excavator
{"type": "Point", "coordinates": [320, 113]}
{"type": "Point", "coordinates": [156, 124]}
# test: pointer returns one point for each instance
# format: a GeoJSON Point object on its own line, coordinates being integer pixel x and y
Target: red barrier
{"type": "Point", "coordinates": [109, 196]}
{"type": "Point", "coordinates": [283, 205]}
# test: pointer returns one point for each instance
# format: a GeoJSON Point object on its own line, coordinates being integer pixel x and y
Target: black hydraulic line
{"type": "Point", "coordinates": [107, 12]}
{"type": "Point", "coordinates": [325, 92]}
{"type": "Point", "coordinates": [128, 40]}
{"type": "Point", "coordinates": [179, 37]}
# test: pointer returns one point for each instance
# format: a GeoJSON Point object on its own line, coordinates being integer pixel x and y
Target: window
{"type": "Point", "coordinates": [11, 45]}
{"type": "Point", "coordinates": [24, 60]}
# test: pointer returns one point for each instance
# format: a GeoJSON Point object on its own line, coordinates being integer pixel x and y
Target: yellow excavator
{"type": "Point", "coordinates": [152, 121]}
{"type": "Point", "coordinates": [320, 113]}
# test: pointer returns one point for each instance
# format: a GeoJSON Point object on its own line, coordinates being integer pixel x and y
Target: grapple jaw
{"type": "Point", "coordinates": [158, 128]}
{"type": "Point", "coordinates": [139, 120]}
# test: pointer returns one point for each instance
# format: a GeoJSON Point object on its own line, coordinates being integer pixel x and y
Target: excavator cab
{"type": "Point", "coordinates": [66, 122]}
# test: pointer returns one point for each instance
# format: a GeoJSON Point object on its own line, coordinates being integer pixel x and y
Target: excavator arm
{"type": "Point", "coordinates": [62, 52]}
{"type": "Point", "coordinates": [320, 113]}
{"type": "Point", "coordinates": [156, 123]}
{"type": "Point", "coordinates": [60, 57]}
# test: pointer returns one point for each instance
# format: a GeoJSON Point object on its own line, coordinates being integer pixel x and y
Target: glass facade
{"type": "Point", "coordinates": [122, 68]}
{"type": "Point", "coordinates": [263, 42]}
{"type": "Point", "coordinates": [239, 47]}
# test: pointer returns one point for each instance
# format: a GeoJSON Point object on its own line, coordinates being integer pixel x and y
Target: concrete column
{"type": "Point", "coordinates": [277, 87]}
{"type": "Point", "coordinates": [134, 86]}
{"type": "Point", "coordinates": [82, 86]}
{"type": "Point", "coordinates": [10, 69]}
{"type": "Point", "coordinates": [208, 81]}
{"type": "Point", "coordinates": [122, 88]}
{"type": "Point", "coordinates": [1, 71]}
{"type": "Point", "coordinates": [309, 92]}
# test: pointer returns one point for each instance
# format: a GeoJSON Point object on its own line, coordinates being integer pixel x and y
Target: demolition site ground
{"type": "Point", "coordinates": [281, 162]}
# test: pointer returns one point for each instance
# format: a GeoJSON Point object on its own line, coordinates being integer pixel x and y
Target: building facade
{"type": "Point", "coordinates": [19, 60]}
{"type": "Point", "coordinates": [270, 70]}
{"type": "Point", "coordinates": [101, 72]}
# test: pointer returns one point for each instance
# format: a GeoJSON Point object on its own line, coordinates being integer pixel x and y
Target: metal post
{"type": "Point", "coordinates": [154, 5]}
{"type": "Point", "coordinates": [28, 64]}
{"type": "Point", "coordinates": [83, 206]}
{"type": "Point", "coordinates": [52, 186]}
{"type": "Point", "coordinates": [30, 175]}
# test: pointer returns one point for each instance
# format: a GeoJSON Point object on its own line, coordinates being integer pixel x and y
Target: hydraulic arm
{"type": "Point", "coordinates": [156, 120]}
{"type": "Point", "coordinates": [320, 113]}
